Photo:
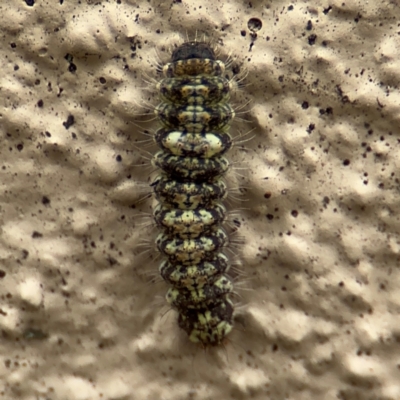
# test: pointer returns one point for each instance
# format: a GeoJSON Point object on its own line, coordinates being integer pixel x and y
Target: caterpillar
{"type": "Point", "coordinates": [195, 116]}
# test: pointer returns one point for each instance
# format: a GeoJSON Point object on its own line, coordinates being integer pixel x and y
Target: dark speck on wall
{"type": "Point", "coordinates": [69, 122]}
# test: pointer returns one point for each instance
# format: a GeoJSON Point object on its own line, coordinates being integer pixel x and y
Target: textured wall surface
{"type": "Point", "coordinates": [82, 313]}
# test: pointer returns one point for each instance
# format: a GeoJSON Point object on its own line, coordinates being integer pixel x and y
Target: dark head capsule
{"type": "Point", "coordinates": [191, 50]}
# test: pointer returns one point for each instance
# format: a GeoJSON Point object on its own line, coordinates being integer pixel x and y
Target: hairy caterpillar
{"type": "Point", "coordinates": [195, 115]}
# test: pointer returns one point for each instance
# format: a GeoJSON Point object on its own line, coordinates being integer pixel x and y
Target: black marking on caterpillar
{"type": "Point", "coordinates": [195, 115]}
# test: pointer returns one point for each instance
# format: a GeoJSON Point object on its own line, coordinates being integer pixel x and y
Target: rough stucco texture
{"type": "Point", "coordinates": [82, 313]}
